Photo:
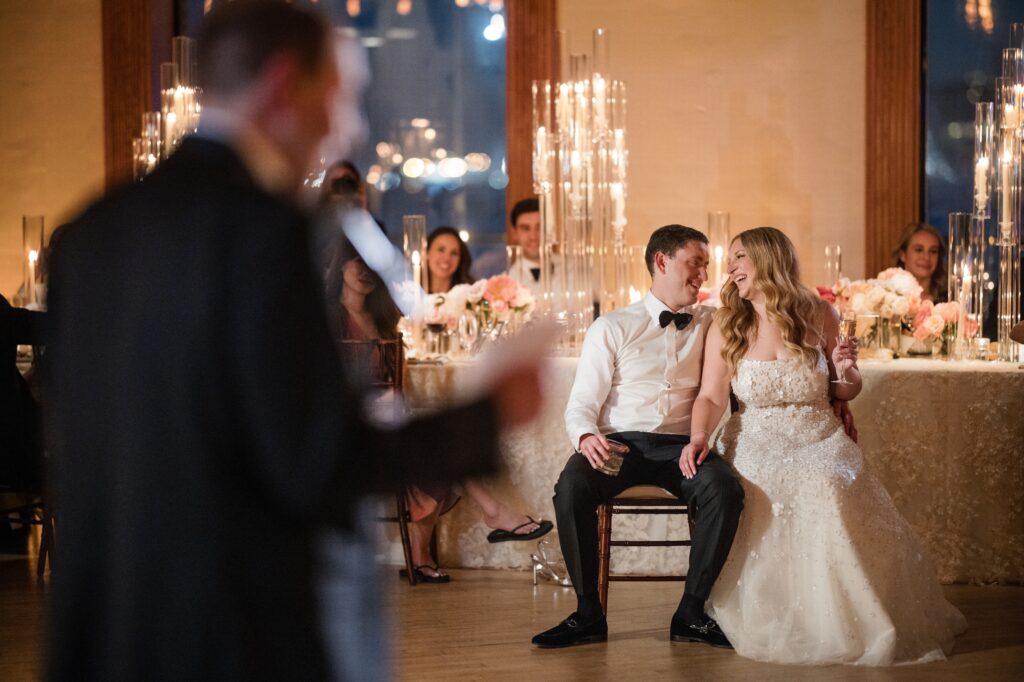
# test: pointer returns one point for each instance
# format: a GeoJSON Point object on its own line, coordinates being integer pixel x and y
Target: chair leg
{"type": "Point", "coordinates": [46, 541]}
{"type": "Point", "coordinates": [604, 547]}
{"type": "Point", "coordinates": [402, 504]}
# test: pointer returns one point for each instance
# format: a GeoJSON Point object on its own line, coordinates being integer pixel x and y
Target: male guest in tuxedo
{"type": "Point", "coordinates": [525, 221]}
{"type": "Point", "coordinates": [202, 431]}
{"type": "Point", "coordinates": [637, 378]}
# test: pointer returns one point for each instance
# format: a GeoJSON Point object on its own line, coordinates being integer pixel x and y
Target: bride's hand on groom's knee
{"type": "Point", "coordinates": [692, 456]}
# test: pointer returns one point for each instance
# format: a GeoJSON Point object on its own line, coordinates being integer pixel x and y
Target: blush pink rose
{"type": "Point", "coordinates": [924, 311]}
{"type": "Point", "coordinates": [501, 288]}
{"type": "Point", "coordinates": [949, 312]}
{"type": "Point", "coordinates": [934, 324]}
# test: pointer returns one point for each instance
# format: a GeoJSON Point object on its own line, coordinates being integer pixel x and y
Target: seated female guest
{"type": "Point", "coordinates": [360, 308]}
{"type": "Point", "coordinates": [448, 260]}
{"type": "Point", "coordinates": [922, 253]}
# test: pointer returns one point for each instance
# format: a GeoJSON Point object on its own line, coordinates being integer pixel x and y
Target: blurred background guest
{"type": "Point", "coordinates": [448, 260]}
{"type": "Point", "coordinates": [21, 447]}
{"type": "Point", "coordinates": [922, 253]}
{"type": "Point", "coordinates": [361, 309]}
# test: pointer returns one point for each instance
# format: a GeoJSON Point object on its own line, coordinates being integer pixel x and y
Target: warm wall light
{"type": "Point", "coordinates": [352, 7]}
{"type": "Point", "coordinates": [403, 7]}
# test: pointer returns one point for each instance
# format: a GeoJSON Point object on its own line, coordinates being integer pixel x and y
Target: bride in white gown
{"type": "Point", "coordinates": [823, 568]}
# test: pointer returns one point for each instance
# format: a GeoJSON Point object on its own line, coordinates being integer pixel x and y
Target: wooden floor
{"type": "Point", "coordinates": [478, 627]}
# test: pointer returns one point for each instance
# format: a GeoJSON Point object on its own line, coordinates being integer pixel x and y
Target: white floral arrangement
{"type": "Point", "coordinates": [893, 293]}
{"type": "Point", "coordinates": [492, 300]}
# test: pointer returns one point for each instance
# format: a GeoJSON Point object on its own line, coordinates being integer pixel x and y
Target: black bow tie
{"type": "Point", "coordinates": [681, 319]}
{"type": "Point", "coordinates": [536, 274]}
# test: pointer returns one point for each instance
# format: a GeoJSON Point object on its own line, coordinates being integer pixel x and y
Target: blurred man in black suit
{"type": "Point", "coordinates": [202, 431]}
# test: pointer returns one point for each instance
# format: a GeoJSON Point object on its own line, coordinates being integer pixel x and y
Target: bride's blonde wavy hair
{"type": "Point", "coordinates": [790, 306]}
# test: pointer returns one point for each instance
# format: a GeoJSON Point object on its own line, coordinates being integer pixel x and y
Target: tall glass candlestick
{"type": "Point", "coordinates": [984, 163]}
{"type": "Point", "coordinates": [1008, 154]}
{"type": "Point", "coordinates": [718, 235]}
{"type": "Point", "coordinates": [959, 278]}
{"type": "Point", "coordinates": [579, 163]}
{"type": "Point", "coordinates": [32, 235]}
{"type": "Point", "coordinates": [544, 187]}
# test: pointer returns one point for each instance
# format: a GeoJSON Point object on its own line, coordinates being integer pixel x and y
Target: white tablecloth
{"type": "Point", "coordinates": [945, 438]}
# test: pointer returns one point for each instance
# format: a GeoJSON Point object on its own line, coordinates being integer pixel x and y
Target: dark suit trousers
{"type": "Point", "coordinates": [653, 459]}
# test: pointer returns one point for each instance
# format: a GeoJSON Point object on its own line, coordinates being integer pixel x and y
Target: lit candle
{"type": "Point", "coordinates": [716, 278]}
{"type": "Point", "coordinates": [415, 258]}
{"type": "Point", "coordinates": [30, 293]}
{"type": "Point", "coordinates": [981, 184]}
{"type": "Point", "coordinates": [417, 301]}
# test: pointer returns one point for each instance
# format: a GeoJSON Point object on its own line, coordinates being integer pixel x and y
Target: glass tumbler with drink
{"type": "Point", "coordinates": [616, 452]}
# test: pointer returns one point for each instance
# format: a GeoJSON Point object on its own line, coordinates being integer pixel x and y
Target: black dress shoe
{"type": "Point", "coordinates": [706, 630]}
{"type": "Point", "coordinates": [573, 630]}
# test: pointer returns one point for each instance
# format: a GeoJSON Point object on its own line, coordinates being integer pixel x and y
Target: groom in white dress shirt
{"type": "Point", "coordinates": [637, 378]}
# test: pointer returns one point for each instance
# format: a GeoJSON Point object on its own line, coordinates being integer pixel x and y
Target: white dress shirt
{"type": "Point", "coordinates": [635, 375]}
{"type": "Point", "coordinates": [521, 271]}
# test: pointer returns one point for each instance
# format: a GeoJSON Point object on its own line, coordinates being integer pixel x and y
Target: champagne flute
{"type": "Point", "coordinates": [469, 332]}
{"type": "Point", "coordinates": [847, 332]}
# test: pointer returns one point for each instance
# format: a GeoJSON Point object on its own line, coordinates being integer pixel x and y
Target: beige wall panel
{"type": "Point", "coordinates": [754, 107]}
{"type": "Point", "coordinates": [51, 117]}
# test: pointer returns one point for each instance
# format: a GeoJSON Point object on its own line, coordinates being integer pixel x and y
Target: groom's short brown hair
{"type": "Point", "coordinates": [668, 240]}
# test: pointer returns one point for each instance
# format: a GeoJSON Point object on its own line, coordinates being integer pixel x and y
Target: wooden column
{"type": "Point", "coordinates": [894, 156]}
{"type": "Point", "coordinates": [530, 56]}
{"type": "Point", "coordinates": [126, 82]}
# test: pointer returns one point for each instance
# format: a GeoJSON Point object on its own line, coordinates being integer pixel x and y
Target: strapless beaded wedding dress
{"type": "Point", "coordinates": [823, 568]}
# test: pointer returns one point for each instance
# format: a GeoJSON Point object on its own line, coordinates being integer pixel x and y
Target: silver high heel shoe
{"type": "Point", "coordinates": [549, 569]}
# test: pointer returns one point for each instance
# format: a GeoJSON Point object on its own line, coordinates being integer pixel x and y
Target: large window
{"type": "Point", "coordinates": [436, 113]}
{"type": "Point", "coordinates": [435, 109]}
{"type": "Point", "coordinates": [963, 47]}
{"type": "Point", "coordinates": [964, 40]}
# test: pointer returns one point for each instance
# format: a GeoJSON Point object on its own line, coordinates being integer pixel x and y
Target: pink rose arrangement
{"type": "Point", "coordinates": [498, 297]}
{"type": "Point", "coordinates": [935, 320]}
